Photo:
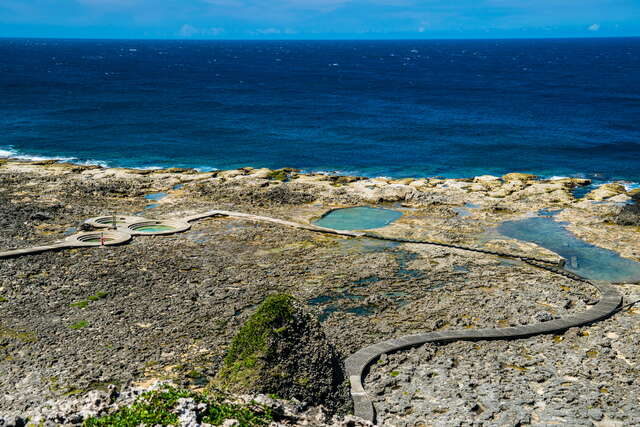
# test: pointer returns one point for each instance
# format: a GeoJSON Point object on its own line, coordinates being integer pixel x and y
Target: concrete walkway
{"type": "Point", "coordinates": [79, 240]}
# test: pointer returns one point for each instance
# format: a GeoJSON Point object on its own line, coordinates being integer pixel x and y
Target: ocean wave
{"type": "Point", "coordinates": [557, 177]}
{"type": "Point", "coordinates": [10, 153]}
{"type": "Point", "coordinates": [14, 154]}
{"type": "Point", "coordinates": [206, 169]}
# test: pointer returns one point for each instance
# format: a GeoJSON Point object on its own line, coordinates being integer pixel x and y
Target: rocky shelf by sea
{"type": "Point", "coordinates": [167, 307]}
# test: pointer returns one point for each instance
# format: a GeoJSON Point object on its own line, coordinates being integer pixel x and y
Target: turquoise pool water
{"type": "Point", "coordinates": [582, 258]}
{"type": "Point", "coordinates": [155, 228]}
{"type": "Point", "coordinates": [359, 218]}
{"type": "Point", "coordinates": [155, 196]}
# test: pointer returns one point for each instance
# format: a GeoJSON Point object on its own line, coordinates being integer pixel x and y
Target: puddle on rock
{"type": "Point", "coordinates": [463, 211]}
{"type": "Point", "coordinates": [334, 303]}
{"type": "Point", "coordinates": [581, 257]}
{"type": "Point", "coordinates": [155, 196]}
{"type": "Point", "coordinates": [404, 258]}
{"type": "Point", "coordinates": [342, 300]}
{"type": "Point", "coordinates": [358, 218]}
{"type": "Point", "coordinates": [365, 245]}
{"type": "Point", "coordinates": [197, 236]}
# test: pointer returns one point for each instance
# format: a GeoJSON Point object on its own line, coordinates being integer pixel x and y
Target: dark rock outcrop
{"type": "Point", "coordinates": [282, 350]}
{"type": "Point", "coordinates": [630, 214]}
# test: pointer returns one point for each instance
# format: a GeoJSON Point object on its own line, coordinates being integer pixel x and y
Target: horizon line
{"type": "Point", "coordinates": [313, 39]}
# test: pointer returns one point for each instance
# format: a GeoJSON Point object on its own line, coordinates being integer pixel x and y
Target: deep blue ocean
{"type": "Point", "coordinates": [460, 108]}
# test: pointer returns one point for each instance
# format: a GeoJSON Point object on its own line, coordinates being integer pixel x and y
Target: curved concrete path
{"type": "Point", "coordinates": [259, 218]}
{"type": "Point", "coordinates": [358, 363]}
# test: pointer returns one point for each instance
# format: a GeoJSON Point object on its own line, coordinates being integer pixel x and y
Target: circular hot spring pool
{"type": "Point", "coordinates": [157, 227]}
{"type": "Point", "coordinates": [98, 238]}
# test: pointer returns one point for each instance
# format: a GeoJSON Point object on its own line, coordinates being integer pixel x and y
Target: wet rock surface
{"type": "Point", "coordinates": [167, 307]}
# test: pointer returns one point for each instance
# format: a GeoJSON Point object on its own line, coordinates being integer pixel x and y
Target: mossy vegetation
{"type": "Point", "coordinates": [79, 325]}
{"type": "Point", "coordinates": [98, 296]}
{"type": "Point", "coordinates": [93, 298]}
{"type": "Point", "coordinates": [278, 175]}
{"type": "Point", "coordinates": [157, 408]}
{"type": "Point", "coordinates": [281, 349]}
{"type": "Point", "coordinates": [18, 335]}
{"type": "Point", "coordinates": [80, 304]}
{"type": "Point", "coordinates": [272, 317]}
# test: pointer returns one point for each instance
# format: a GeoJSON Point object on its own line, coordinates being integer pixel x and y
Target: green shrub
{"type": "Point", "coordinates": [156, 407]}
{"type": "Point", "coordinates": [278, 175]}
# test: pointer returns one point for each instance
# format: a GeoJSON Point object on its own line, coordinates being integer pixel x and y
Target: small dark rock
{"type": "Point", "coordinates": [40, 216]}
{"type": "Point", "coordinates": [543, 316]}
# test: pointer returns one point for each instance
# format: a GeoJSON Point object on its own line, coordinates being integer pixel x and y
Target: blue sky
{"type": "Point", "coordinates": [318, 19]}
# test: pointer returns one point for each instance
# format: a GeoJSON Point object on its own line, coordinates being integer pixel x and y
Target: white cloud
{"type": "Point", "coordinates": [190, 31]}
{"type": "Point", "coordinates": [593, 27]}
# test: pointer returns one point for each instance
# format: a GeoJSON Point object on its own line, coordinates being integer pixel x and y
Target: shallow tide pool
{"type": "Point", "coordinates": [582, 258]}
{"type": "Point", "coordinates": [359, 218]}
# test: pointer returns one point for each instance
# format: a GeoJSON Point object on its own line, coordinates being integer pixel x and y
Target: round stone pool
{"type": "Point", "coordinates": [358, 218]}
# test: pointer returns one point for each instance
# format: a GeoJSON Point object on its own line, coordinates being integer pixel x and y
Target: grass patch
{"type": "Point", "coordinates": [3, 299]}
{"type": "Point", "coordinates": [156, 407]}
{"type": "Point", "coordinates": [79, 325]}
{"type": "Point", "coordinates": [394, 373]}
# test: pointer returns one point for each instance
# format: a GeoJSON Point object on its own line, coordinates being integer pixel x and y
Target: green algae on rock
{"type": "Point", "coordinates": [282, 350]}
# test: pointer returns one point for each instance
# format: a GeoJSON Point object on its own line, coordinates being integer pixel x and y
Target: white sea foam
{"type": "Point", "coordinates": [11, 153]}
{"type": "Point", "coordinates": [92, 163]}
{"type": "Point", "coordinates": [14, 154]}
{"type": "Point", "coordinates": [332, 172]}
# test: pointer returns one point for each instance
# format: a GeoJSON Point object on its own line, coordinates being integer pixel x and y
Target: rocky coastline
{"type": "Point", "coordinates": [166, 308]}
